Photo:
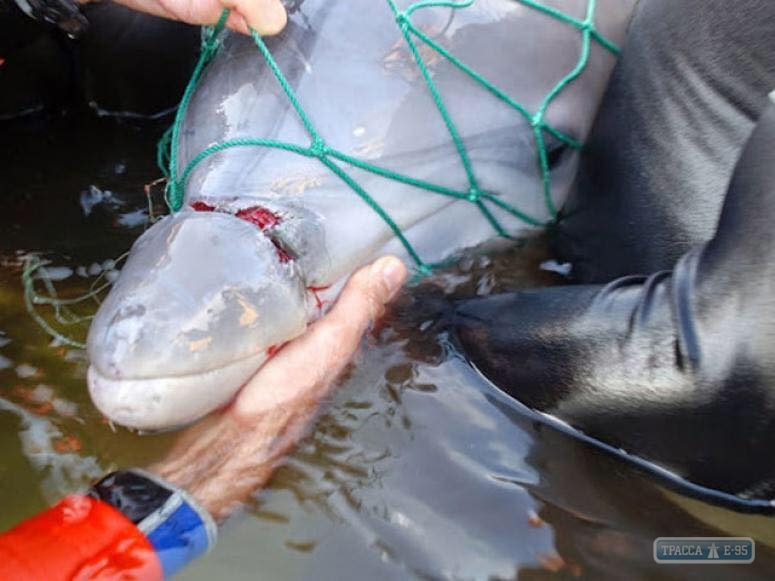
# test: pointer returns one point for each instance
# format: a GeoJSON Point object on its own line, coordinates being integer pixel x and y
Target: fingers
{"type": "Point", "coordinates": [309, 365]}
{"type": "Point", "coordinates": [267, 17]}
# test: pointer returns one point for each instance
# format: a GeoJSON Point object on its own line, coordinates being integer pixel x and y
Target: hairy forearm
{"type": "Point", "coordinates": [222, 460]}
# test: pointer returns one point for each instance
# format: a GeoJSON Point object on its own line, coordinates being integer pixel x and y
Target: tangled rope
{"type": "Point", "coordinates": [34, 274]}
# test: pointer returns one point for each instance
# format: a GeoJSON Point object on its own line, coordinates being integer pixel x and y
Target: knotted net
{"type": "Point", "coordinates": [318, 148]}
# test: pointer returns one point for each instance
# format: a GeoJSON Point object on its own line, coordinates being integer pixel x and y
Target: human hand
{"type": "Point", "coordinates": [267, 17]}
{"type": "Point", "coordinates": [225, 457]}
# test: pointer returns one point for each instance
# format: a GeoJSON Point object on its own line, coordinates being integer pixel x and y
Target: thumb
{"type": "Point", "coordinates": [365, 295]}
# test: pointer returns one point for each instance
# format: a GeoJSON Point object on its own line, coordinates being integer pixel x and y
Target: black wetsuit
{"type": "Point", "coordinates": [675, 360]}
{"type": "Point", "coordinates": [127, 63]}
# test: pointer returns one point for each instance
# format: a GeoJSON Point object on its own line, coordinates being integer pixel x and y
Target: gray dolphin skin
{"type": "Point", "coordinates": [266, 237]}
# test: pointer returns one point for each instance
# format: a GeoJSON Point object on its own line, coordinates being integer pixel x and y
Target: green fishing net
{"type": "Point", "coordinates": [317, 148]}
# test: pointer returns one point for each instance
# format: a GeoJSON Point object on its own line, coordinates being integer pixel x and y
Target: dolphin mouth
{"type": "Point", "coordinates": [161, 403]}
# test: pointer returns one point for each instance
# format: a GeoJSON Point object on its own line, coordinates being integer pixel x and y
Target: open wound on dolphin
{"type": "Point", "coordinates": [262, 217]}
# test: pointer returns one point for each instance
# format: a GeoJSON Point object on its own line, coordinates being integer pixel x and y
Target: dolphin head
{"type": "Point", "coordinates": [199, 305]}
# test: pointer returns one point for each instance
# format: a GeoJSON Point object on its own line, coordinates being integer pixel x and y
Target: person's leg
{"type": "Point", "coordinates": [677, 367]}
{"type": "Point", "coordinates": [683, 98]}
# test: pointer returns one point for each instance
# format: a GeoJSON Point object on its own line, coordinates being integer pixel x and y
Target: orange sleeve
{"type": "Point", "coordinates": [79, 538]}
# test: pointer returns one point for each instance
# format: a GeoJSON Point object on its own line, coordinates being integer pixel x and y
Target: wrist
{"type": "Point", "coordinates": [176, 525]}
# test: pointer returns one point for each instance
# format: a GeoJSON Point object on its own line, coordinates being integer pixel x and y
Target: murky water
{"type": "Point", "coordinates": [417, 467]}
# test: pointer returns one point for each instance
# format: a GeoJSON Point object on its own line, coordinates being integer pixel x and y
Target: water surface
{"type": "Point", "coordinates": [418, 468]}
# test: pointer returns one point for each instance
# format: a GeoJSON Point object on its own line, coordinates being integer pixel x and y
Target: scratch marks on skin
{"type": "Point", "coordinates": [370, 149]}
{"type": "Point", "coordinates": [400, 60]}
{"type": "Point", "coordinates": [299, 54]}
{"type": "Point", "coordinates": [315, 292]}
{"type": "Point", "coordinates": [249, 314]}
{"type": "Point", "coordinates": [274, 349]}
{"type": "Point", "coordinates": [199, 344]}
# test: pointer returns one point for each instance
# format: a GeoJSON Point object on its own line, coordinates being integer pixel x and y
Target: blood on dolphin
{"type": "Point", "coordinates": [258, 215]}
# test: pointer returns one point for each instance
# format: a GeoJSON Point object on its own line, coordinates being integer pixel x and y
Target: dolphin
{"type": "Point", "coordinates": [266, 237]}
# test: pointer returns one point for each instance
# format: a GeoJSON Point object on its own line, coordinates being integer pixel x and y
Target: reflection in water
{"type": "Point", "coordinates": [417, 467]}
{"type": "Point", "coordinates": [52, 454]}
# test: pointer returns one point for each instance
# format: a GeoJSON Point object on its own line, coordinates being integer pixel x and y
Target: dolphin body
{"type": "Point", "coordinates": [267, 237]}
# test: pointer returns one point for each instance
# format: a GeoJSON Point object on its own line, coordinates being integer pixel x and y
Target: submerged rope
{"type": "Point", "coordinates": [167, 151]}
{"type": "Point", "coordinates": [34, 272]}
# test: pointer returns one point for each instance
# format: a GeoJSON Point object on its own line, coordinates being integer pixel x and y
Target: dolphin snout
{"type": "Point", "coordinates": [199, 304]}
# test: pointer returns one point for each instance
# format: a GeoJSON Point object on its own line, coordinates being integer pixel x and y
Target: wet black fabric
{"type": "Point", "coordinates": [36, 70]}
{"type": "Point", "coordinates": [135, 63]}
{"type": "Point", "coordinates": [682, 100]}
{"type": "Point", "coordinates": [126, 63]}
{"type": "Point", "coordinates": [677, 364]}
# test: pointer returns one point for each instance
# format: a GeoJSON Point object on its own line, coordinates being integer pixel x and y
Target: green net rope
{"type": "Point", "coordinates": [168, 145]}
{"type": "Point", "coordinates": [64, 309]}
